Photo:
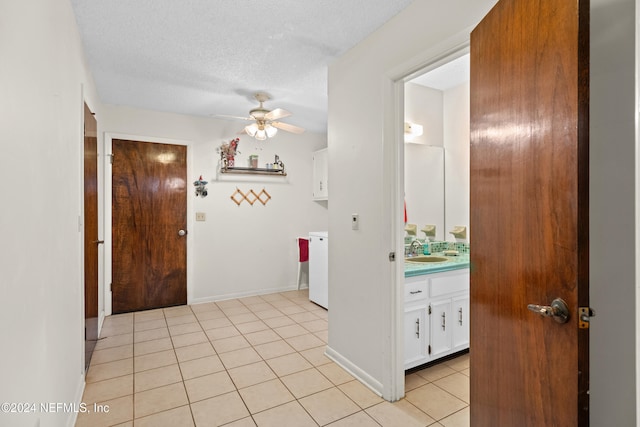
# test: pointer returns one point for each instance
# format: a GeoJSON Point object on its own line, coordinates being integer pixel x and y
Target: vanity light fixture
{"type": "Point", "coordinates": [412, 130]}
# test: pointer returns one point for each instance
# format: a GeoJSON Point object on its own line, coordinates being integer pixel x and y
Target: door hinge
{"type": "Point", "coordinates": [110, 158]}
{"type": "Point", "coordinates": [584, 315]}
{"type": "Point", "coordinates": [392, 256]}
{"type": "Point", "coordinates": [429, 309]}
{"type": "Point", "coordinates": [429, 349]}
{"type": "Point", "coordinates": [110, 287]}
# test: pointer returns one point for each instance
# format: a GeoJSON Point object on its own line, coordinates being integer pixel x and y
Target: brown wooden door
{"type": "Point", "coordinates": [149, 210]}
{"type": "Point", "coordinates": [90, 233]}
{"type": "Point", "coordinates": [529, 213]}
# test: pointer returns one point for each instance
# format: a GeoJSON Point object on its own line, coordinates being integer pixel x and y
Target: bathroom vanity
{"type": "Point", "coordinates": [436, 309]}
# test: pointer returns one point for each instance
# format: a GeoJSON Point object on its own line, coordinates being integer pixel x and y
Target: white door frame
{"type": "Point", "coordinates": [108, 193]}
{"type": "Point", "coordinates": [393, 178]}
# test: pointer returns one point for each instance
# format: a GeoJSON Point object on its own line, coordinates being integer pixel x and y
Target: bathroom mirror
{"type": "Point", "coordinates": [436, 162]}
{"type": "Point", "coordinates": [424, 187]}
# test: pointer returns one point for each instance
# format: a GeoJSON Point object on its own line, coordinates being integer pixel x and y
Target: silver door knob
{"type": "Point", "coordinates": [558, 310]}
{"type": "Point", "coordinates": [182, 233]}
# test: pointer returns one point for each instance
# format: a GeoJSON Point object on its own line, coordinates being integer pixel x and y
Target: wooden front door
{"type": "Point", "coordinates": [529, 213]}
{"type": "Point", "coordinates": [149, 225]}
{"type": "Point", "coordinates": [91, 240]}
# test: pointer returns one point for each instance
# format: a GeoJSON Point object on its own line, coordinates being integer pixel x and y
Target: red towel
{"type": "Point", "coordinates": [405, 211]}
{"type": "Point", "coordinates": [303, 246]}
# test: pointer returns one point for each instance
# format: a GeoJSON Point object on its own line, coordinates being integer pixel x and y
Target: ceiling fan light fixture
{"type": "Point", "coordinates": [265, 124]}
{"type": "Point", "coordinates": [270, 130]}
{"type": "Point", "coordinates": [251, 129]}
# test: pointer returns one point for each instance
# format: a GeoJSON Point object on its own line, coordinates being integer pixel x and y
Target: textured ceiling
{"type": "Point", "coordinates": [208, 57]}
{"type": "Point", "coordinates": [448, 75]}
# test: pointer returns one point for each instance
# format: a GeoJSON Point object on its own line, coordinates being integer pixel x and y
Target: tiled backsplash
{"type": "Point", "coordinates": [461, 247]}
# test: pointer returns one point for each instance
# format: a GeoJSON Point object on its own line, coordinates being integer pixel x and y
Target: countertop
{"type": "Point", "coordinates": [454, 263]}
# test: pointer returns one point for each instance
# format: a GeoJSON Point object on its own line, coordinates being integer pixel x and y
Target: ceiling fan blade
{"type": "Point", "coordinates": [276, 114]}
{"type": "Point", "coordinates": [287, 127]}
{"type": "Point", "coordinates": [224, 116]}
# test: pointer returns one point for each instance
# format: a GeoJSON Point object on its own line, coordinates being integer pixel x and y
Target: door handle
{"type": "Point", "coordinates": [558, 310]}
{"type": "Point", "coordinates": [182, 233]}
{"type": "Point", "coordinates": [98, 242]}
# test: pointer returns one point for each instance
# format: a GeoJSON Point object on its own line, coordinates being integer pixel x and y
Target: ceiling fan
{"type": "Point", "coordinates": [264, 125]}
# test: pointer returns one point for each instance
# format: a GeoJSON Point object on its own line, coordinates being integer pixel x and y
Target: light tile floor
{"type": "Point", "coordinates": [256, 361]}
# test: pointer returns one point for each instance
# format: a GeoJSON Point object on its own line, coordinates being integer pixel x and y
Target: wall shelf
{"type": "Point", "coordinates": [253, 171]}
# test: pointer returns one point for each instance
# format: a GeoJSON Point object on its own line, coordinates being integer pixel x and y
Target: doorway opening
{"type": "Point", "coordinates": [434, 175]}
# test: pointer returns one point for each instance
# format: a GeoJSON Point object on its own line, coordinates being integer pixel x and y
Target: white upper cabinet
{"type": "Point", "coordinates": [320, 175]}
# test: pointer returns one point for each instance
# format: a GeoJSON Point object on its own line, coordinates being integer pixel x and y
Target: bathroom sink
{"type": "Point", "coordinates": [426, 258]}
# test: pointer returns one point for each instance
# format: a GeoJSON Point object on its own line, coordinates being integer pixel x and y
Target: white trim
{"type": "Point", "coordinates": [108, 192]}
{"type": "Point", "coordinates": [366, 379]}
{"type": "Point", "coordinates": [82, 322]}
{"type": "Point", "coordinates": [393, 178]}
{"type": "Point", "coordinates": [101, 317]}
{"type": "Point", "coordinates": [393, 147]}
{"type": "Point", "coordinates": [73, 418]}
{"type": "Point", "coordinates": [637, 206]}
{"type": "Point", "coordinates": [250, 293]}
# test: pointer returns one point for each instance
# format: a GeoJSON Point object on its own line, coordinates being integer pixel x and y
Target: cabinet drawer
{"type": "Point", "coordinates": [414, 291]}
{"type": "Point", "coordinates": [450, 284]}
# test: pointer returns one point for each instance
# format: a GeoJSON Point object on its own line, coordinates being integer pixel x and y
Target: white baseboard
{"type": "Point", "coordinates": [73, 415]}
{"type": "Point", "coordinates": [242, 294]}
{"type": "Point", "coordinates": [366, 379]}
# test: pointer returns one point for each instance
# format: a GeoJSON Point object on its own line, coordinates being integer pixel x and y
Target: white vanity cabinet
{"type": "Point", "coordinates": [436, 316]}
{"type": "Point", "coordinates": [416, 327]}
{"type": "Point", "coordinates": [460, 324]}
{"type": "Point", "coordinates": [321, 175]}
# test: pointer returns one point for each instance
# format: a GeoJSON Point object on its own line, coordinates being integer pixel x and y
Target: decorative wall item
{"type": "Point", "coordinates": [201, 187]}
{"type": "Point", "coordinates": [250, 197]}
{"type": "Point", "coordinates": [228, 153]}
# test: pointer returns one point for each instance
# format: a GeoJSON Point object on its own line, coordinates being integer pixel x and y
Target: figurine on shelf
{"type": "Point", "coordinates": [228, 152]}
{"type": "Point", "coordinates": [277, 164]}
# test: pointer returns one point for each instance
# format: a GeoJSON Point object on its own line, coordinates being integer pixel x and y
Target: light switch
{"type": "Point", "coordinates": [355, 221]}
{"type": "Point", "coordinates": [201, 216]}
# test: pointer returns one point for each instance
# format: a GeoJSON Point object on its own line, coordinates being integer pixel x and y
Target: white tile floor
{"type": "Point", "coordinates": [256, 361]}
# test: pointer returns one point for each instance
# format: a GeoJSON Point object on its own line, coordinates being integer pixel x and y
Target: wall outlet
{"type": "Point", "coordinates": [201, 216]}
{"type": "Point", "coordinates": [355, 221]}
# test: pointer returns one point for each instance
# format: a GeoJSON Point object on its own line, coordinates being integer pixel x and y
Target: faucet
{"type": "Point", "coordinates": [416, 248]}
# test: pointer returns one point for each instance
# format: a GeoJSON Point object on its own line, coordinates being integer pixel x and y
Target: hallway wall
{"type": "Point", "coordinates": [42, 79]}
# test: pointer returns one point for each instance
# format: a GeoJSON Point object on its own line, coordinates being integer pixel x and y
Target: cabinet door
{"type": "Point", "coordinates": [320, 175]}
{"type": "Point", "coordinates": [440, 323]}
{"type": "Point", "coordinates": [415, 332]}
{"type": "Point", "coordinates": [460, 322]}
